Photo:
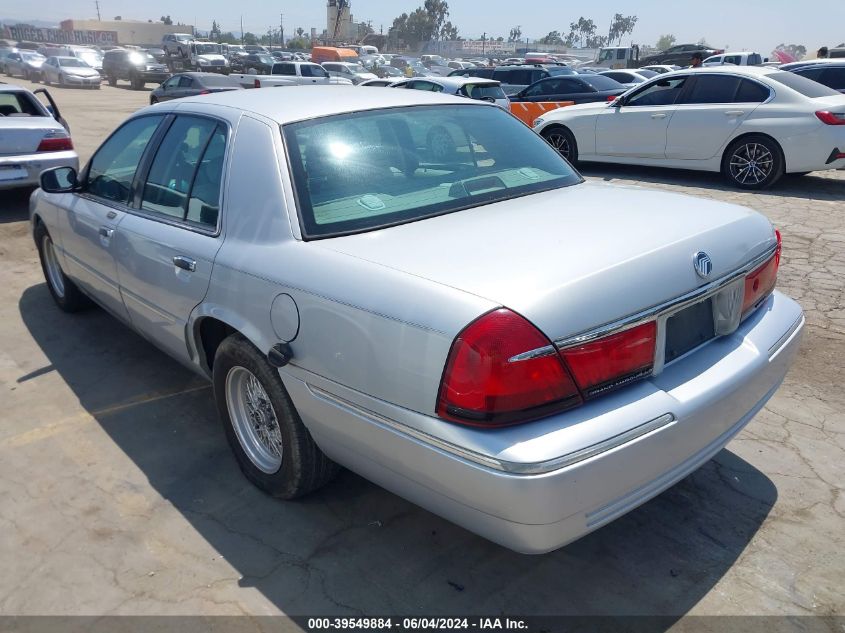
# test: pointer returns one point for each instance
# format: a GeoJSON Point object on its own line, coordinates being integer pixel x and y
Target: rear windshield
{"type": "Point", "coordinates": [806, 87]}
{"type": "Point", "coordinates": [483, 91]}
{"type": "Point", "coordinates": [14, 103]}
{"type": "Point", "coordinates": [213, 80]}
{"type": "Point", "coordinates": [647, 73]}
{"type": "Point", "coordinates": [362, 171]}
{"type": "Point", "coordinates": [601, 83]}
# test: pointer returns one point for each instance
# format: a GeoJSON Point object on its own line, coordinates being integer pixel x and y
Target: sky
{"type": "Point", "coordinates": [757, 25]}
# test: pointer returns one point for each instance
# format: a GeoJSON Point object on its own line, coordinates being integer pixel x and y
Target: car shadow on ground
{"type": "Point", "coordinates": [14, 205]}
{"type": "Point", "coordinates": [819, 185]}
{"type": "Point", "coordinates": [353, 548]}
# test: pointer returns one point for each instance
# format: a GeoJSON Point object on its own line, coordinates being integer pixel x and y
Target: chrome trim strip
{"type": "Point", "coordinates": [513, 468]}
{"type": "Point", "coordinates": [775, 348]}
{"type": "Point", "coordinates": [670, 306]}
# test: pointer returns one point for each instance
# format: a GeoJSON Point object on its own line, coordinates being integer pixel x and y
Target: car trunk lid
{"type": "Point", "coordinates": [23, 134]}
{"type": "Point", "coordinates": [574, 259]}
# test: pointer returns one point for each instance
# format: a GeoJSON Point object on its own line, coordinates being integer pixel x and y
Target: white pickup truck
{"type": "Point", "coordinates": [290, 74]}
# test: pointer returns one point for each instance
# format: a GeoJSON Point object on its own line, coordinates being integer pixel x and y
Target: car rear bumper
{"type": "Point", "coordinates": [24, 171]}
{"type": "Point", "coordinates": [697, 405]}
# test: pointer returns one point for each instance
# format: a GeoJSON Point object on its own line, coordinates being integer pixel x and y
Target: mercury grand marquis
{"type": "Point", "coordinates": [420, 289]}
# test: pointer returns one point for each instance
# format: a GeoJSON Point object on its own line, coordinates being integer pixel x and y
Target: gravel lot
{"type": "Point", "coordinates": [119, 494]}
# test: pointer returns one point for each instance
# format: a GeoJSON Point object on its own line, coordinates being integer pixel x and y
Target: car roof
{"type": "Point", "coordinates": [4, 87]}
{"type": "Point", "coordinates": [457, 82]}
{"type": "Point", "coordinates": [308, 102]}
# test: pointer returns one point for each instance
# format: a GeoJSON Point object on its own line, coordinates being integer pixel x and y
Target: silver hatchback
{"type": "Point", "coordinates": [419, 288]}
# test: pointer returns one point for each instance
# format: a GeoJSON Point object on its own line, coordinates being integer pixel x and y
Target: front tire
{"type": "Point", "coordinates": [563, 141]}
{"type": "Point", "coordinates": [66, 294]}
{"type": "Point", "coordinates": [753, 162]}
{"type": "Point", "coordinates": [271, 444]}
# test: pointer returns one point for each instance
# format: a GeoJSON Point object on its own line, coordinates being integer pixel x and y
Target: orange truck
{"type": "Point", "coordinates": [527, 111]}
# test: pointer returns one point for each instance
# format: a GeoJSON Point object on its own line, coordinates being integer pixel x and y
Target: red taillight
{"type": "Point", "coordinates": [779, 247]}
{"type": "Point", "coordinates": [55, 144]}
{"type": "Point", "coordinates": [612, 98]}
{"type": "Point", "coordinates": [612, 361]}
{"type": "Point", "coordinates": [257, 83]}
{"type": "Point", "coordinates": [485, 384]}
{"type": "Point", "coordinates": [831, 118]}
{"type": "Point", "coordinates": [205, 92]}
{"type": "Point", "coordinates": [760, 283]}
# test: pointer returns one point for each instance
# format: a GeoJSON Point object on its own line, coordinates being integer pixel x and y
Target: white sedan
{"type": "Point", "coordinates": [630, 78]}
{"type": "Point", "coordinates": [752, 124]}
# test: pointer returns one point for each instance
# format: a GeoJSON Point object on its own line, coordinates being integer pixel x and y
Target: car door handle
{"type": "Point", "coordinates": [734, 112]}
{"type": "Point", "coordinates": [185, 263]}
{"type": "Point", "coordinates": [106, 232]}
{"type": "Point", "coordinates": [660, 115]}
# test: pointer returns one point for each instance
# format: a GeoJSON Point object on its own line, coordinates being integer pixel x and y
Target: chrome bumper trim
{"type": "Point", "coordinates": [511, 468]}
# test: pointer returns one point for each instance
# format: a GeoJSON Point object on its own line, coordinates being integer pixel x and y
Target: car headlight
{"type": "Point", "coordinates": [538, 122]}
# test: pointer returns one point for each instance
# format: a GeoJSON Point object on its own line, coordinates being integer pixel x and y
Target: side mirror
{"type": "Point", "coordinates": [59, 180]}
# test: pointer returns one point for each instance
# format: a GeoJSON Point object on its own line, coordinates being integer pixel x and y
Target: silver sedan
{"type": "Point", "coordinates": [68, 72]}
{"type": "Point", "coordinates": [420, 289]}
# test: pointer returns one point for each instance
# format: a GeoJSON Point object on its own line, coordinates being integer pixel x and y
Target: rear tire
{"type": "Point", "coordinates": [112, 81]}
{"type": "Point", "coordinates": [563, 141]}
{"type": "Point", "coordinates": [271, 444]}
{"type": "Point", "coordinates": [66, 294]}
{"type": "Point", "coordinates": [753, 162]}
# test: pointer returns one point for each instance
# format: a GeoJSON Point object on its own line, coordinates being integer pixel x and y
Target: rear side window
{"type": "Point", "coordinates": [187, 167]}
{"type": "Point", "coordinates": [712, 89]}
{"type": "Point", "coordinates": [751, 92]}
{"type": "Point", "coordinates": [835, 78]}
{"type": "Point", "coordinates": [802, 85]}
{"type": "Point", "coordinates": [284, 69]}
{"type": "Point", "coordinates": [115, 163]}
{"type": "Point", "coordinates": [755, 60]}
{"type": "Point", "coordinates": [811, 73]}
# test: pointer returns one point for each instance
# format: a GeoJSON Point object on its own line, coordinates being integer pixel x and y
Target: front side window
{"type": "Point", "coordinates": [361, 171]}
{"type": "Point", "coordinates": [113, 167]}
{"type": "Point", "coordinates": [172, 172]}
{"type": "Point", "coordinates": [620, 54]}
{"type": "Point", "coordinates": [309, 70]}
{"type": "Point", "coordinates": [185, 81]}
{"type": "Point", "coordinates": [658, 93]}
{"type": "Point", "coordinates": [834, 78]}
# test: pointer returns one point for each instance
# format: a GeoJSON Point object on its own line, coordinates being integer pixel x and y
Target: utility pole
{"type": "Point", "coordinates": [483, 42]}
{"type": "Point", "coordinates": [97, 3]}
{"type": "Point", "coordinates": [282, 29]}
{"type": "Point", "coordinates": [242, 30]}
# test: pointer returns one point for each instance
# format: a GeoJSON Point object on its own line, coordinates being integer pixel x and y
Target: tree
{"type": "Point", "coordinates": [300, 32]}
{"type": "Point", "coordinates": [583, 29]}
{"type": "Point", "coordinates": [437, 12]}
{"type": "Point", "coordinates": [228, 38]}
{"type": "Point", "coordinates": [620, 26]}
{"type": "Point", "coordinates": [364, 29]}
{"type": "Point", "coordinates": [796, 50]}
{"type": "Point", "coordinates": [665, 41]}
{"type": "Point", "coordinates": [552, 38]}
{"type": "Point", "coordinates": [249, 38]}
{"type": "Point", "coordinates": [215, 31]}
{"type": "Point", "coordinates": [515, 34]}
{"type": "Point", "coordinates": [449, 32]}
{"type": "Point", "coordinates": [596, 41]}
{"type": "Point", "coordinates": [166, 20]}
{"type": "Point", "coordinates": [299, 43]}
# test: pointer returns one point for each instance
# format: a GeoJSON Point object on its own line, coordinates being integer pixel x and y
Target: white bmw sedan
{"type": "Point", "coordinates": [752, 124]}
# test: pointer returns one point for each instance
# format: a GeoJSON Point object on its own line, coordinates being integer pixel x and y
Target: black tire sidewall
{"type": "Point", "coordinates": [771, 145]}
{"type": "Point", "coordinates": [286, 483]}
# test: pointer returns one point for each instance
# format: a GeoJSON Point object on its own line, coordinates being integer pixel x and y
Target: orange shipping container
{"type": "Point", "coordinates": [320, 54]}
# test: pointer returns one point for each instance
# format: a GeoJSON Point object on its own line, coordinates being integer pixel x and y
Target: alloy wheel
{"type": "Point", "coordinates": [561, 144]}
{"type": "Point", "coordinates": [751, 164]}
{"type": "Point", "coordinates": [254, 420]}
{"type": "Point", "coordinates": [55, 277]}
